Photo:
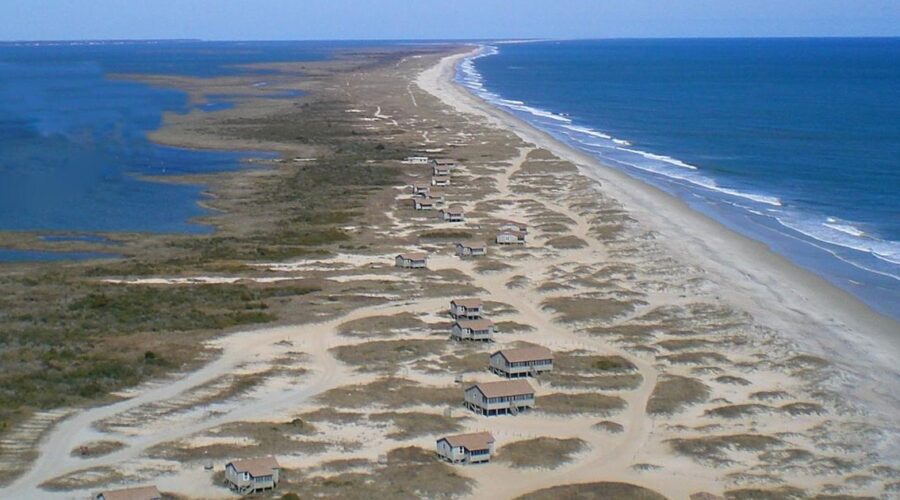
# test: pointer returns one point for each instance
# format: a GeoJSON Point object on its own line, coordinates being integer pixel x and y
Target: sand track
{"type": "Point", "coordinates": [657, 309]}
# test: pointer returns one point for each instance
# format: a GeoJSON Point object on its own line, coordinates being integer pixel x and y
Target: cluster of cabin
{"type": "Point", "coordinates": [469, 322]}
{"type": "Point", "coordinates": [426, 197]}
{"type": "Point", "coordinates": [501, 397]}
{"type": "Point", "coordinates": [511, 233]}
{"type": "Point", "coordinates": [510, 396]}
{"type": "Point", "coordinates": [244, 477]}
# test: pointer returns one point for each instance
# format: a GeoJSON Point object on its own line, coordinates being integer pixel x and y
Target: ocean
{"type": "Point", "coordinates": [793, 142]}
{"type": "Point", "coordinates": [74, 151]}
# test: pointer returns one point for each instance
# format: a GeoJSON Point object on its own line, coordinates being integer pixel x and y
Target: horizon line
{"type": "Point", "coordinates": [441, 40]}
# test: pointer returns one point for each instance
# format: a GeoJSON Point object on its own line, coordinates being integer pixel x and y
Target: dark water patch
{"type": "Point", "coordinates": [74, 153]}
{"type": "Point", "coordinates": [13, 256]}
{"type": "Point", "coordinates": [86, 238]}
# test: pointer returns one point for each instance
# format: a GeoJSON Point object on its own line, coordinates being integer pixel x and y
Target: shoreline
{"type": "Point", "coordinates": [662, 383]}
{"type": "Point", "coordinates": [850, 249]}
{"type": "Point", "coordinates": [770, 287]}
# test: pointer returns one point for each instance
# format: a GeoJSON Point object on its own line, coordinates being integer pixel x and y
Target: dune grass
{"type": "Point", "coordinates": [673, 394]}
{"type": "Point", "coordinates": [410, 473]}
{"type": "Point", "coordinates": [542, 452]}
{"type": "Point", "coordinates": [594, 491]}
{"type": "Point", "coordinates": [574, 404]}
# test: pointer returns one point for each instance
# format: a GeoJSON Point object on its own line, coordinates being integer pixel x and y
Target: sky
{"type": "Point", "coordinates": [441, 19]}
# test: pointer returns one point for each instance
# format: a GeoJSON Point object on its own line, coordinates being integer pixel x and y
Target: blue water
{"type": "Point", "coordinates": [12, 255]}
{"type": "Point", "coordinates": [794, 142]}
{"type": "Point", "coordinates": [73, 145]}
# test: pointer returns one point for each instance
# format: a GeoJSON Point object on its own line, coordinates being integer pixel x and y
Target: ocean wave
{"type": "Point", "coordinates": [843, 227]}
{"type": "Point", "coordinates": [587, 131]}
{"type": "Point", "coordinates": [663, 158]}
{"type": "Point", "coordinates": [660, 163]}
{"type": "Point", "coordinates": [844, 235]}
{"type": "Point", "coordinates": [532, 110]}
{"type": "Point", "coordinates": [844, 240]}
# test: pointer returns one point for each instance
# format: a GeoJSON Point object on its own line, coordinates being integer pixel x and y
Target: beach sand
{"type": "Point", "coordinates": [688, 358]}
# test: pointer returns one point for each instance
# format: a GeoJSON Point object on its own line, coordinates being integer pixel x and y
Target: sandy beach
{"type": "Point", "coordinates": [687, 358]}
{"type": "Point", "coordinates": [763, 283]}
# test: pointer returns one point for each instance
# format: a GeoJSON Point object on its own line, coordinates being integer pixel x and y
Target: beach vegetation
{"type": "Point", "coordinates": [445, 234]}
{"type": "Point", "coordinates": [582, 309]}
{"type": "Point", "coordinates": [713, 448]}
{"type": "Point", "coordinates": [566, 242]}
{"type": "Point", "coordinates": [609, 426]}
{"type": "Point", "coordinates": [732, 380]}
{"type": "Point", "coordinates": [390, 392]}
{"type": "Point", "coordinates": [382, 326]}
{"type": "Point", "coordinates": [485, 266]}
{"type": "Point", "coordinates": [543, 452]}
{"type": "Point", "coordinates": [780, 493]}
{"type": "Point", "coordinates": [619, 491]}
{"type": "Point", "coordinates": [409, 472]}
{"type": "Point", "coordinates": [512, 327]}
{"type": "Point", "coordinates": [97, 448]}
{"type": "Point", "coordinates": [583, 403]}
{"type": "Point", "coordinates": [387, 355]}
{"type": "Point", "coordinates": [408, 425]}
{"type": "Point", "coordinates": [674, 393]}
{"type": "Point", "coordinates": [71, 339]}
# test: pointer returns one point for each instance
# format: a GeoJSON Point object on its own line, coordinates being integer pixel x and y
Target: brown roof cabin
{"type": "Point", "coordinates": [443, 162]}
{"type": "Point", "coordinates": [470, 249]}
{"type": "Point", "coordinates": [472, 329]}
{"type": "Point", "coordinates": [420, 189]}
{"type": "Point", "coordinates": [440, 180]}
{"type": "Point", "coordinates": [138, 493]}
{"type": "Point", "coordinates": [453, 213]}
{"type": "Point", "coordinates": [415, 260]}
{"type": "Point", "coordinates": [466, 308]}
{"type": "Point", "coordinates": [473, 448]}
{"type": "Point", "coordinates": [248, 476]}
{"type": "Point", "coordinates": [423, 203]}
{"type": "Point", "coordinates": [506, 397]}
{"type": "Point", "coordinates": [510, 225]}
{"type": "Point", "coordinates": [436, 196]}
{"type": "Point", "coordinates": [510, 238]}
{"type": "Point", "coordinates": [522, 362]}
{"type": "Point", "coordinates": [440, 170]}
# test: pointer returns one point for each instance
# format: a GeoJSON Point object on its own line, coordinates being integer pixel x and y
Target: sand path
{"type": "Point", "coordinates": [607, 457]}
{"type": "Point", "coordinates": [324, 372]}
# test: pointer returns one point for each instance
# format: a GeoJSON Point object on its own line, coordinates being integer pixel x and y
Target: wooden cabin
{"type": "Point", "coordinates": [440, 180]}
{"type": "Point", "coordinates": [416, 260]}
{"type": "Point", "coordinates": [138, 493]}
{"type": "Point", "coordinates": [510, 225]}
{"type": "Point", "coordinates": [473, 448]}
{"type": "Point", "coordinates": [417, 160]}
{"type": "Point", "coordinates": [522, 362]}
{"type": "Point", "coordinates": [420, 189]}
{"type": "Point", "coordinates": [249, 476]}
{"type": "Point", "coordinates": [510, 238]}
{"type": "Point", "coordinates": [466, 308]}
{"type": "Point", "coordinates": [453, 213]}
{"type": "Point", "coordinates": [423, 203]}
{"type": "Point", "coordinates": [443, 162]}
{"type": "Point", "coordinates": [506, 397]}
{"type": "Point", "coordinates": [473, 329]}
{"type": "Point", "coordinates": [470, 249]}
